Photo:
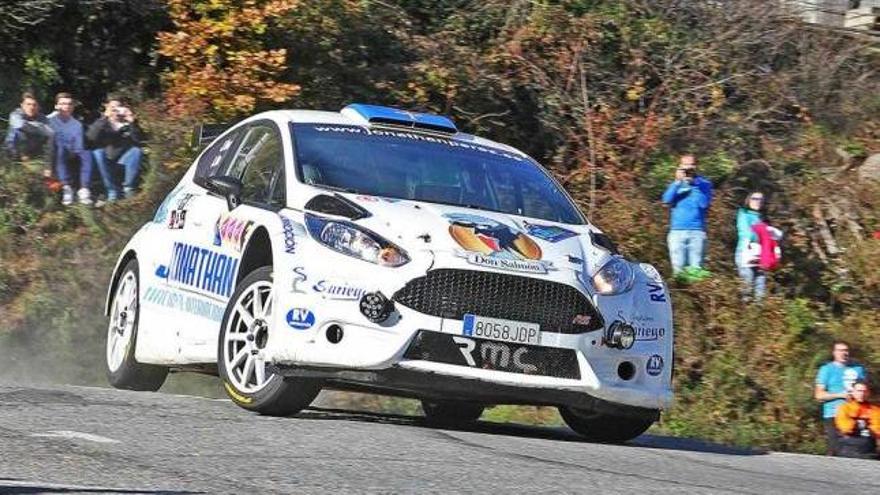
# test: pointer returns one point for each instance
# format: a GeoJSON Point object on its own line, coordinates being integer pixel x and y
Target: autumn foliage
{"type": "Point", "coordinates": [219, 62]}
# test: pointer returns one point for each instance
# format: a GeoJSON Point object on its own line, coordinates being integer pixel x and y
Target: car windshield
{"type": "Point", "coordinates": [409, 165]}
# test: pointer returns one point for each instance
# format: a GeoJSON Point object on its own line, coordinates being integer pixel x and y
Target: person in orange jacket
{"type": "Point", "coordinates": [859, 424]}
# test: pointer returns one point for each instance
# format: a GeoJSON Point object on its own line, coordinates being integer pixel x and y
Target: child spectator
{"type": "Point", "coordinates": [29, 135]}
{"type": "Point", "coordinates": [117, 141]}
{"type": "Point", "coordinates": [69, 144]}
{"type": "Point", "coordinates": [858, 422]}
{"type": "Point", "coordinates": [833, 383]}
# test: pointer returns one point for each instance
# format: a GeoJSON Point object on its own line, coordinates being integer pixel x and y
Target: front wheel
{"type": "Point", "coordinates": [447, 412]}
{"type": "Point", "coordinates": [243, 334]}
{"type": "Point", "coordinates": [602, 427]}
{"type": "Point", "coordinates": [123, 371]}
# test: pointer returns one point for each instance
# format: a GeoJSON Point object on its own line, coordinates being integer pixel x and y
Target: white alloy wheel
{"type": "Point", "coordinates": [123, 316]}
{"type": "Point", "coordinates": [246, 333]}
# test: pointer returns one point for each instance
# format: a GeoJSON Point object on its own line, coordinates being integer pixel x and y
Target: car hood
{"type": "Point", "coordinates": [488, 239]}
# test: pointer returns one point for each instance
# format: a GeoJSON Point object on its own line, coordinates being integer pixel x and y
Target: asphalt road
{"type": "Point", "coordinates": [87, 440]}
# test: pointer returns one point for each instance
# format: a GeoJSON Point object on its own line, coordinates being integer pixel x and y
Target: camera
{"type": "Point", "coordinates": [689, 172]}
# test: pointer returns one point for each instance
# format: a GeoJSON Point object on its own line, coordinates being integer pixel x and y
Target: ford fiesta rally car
{"type": "Point", "coordinates": [384, 250]}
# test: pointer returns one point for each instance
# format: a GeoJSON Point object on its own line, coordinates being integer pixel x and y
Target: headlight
{"type": "Point", "coordinates": [615, 277]}
{"type": "Point", "coordinates": [355, 241]}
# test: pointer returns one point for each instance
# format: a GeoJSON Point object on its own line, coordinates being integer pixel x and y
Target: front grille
{"type": "Point", "coordinates": [451, 293]}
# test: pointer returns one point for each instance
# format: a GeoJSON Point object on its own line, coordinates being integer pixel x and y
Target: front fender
{"type": "Point", "coordinates": [128, 252]}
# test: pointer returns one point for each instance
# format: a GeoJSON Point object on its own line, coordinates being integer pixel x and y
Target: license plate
{"type": "Point", "coordinates": [519, 332]}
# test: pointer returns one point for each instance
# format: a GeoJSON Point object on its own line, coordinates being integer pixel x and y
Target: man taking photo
{"type": "Point", "coordinates": [688, 198]}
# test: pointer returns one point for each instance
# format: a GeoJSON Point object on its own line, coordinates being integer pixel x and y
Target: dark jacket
{"type": "Point", "coordinates": [115, 142]}
{"type": "Point", "coordinates": [27, 135]}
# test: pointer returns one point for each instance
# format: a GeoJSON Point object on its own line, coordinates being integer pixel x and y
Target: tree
{"type": "Point", "coordinates": [219, 62]}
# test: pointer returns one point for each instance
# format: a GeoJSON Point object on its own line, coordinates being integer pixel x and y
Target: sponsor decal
{"type": "Point", "coordinates": [582, 320]}
{"type": "Point", "coordinates": [338, 290]}
{"type": "Point", "coordinates": [235, 395]}
{"type": "Point", "coordinates": [495, 355]}
{"type": "Point", "coordinates": [299, 276]}
{"type": "Point", "coordinates": [368, 199]}
{"type": "Point", "coordinates": [177, 220]}
{"type": "Point", "coordinates": [184, 302]}
{"type": "Point", "coordinates": [232, 231]}
{"type": "Point", "coordinates": [162, 213]}
{"type": "Point", "coordinates": [200, 268]}
{"type": "Point", "coordinates": [654, 366]}
{"type": "Point", "coordinates": [300, 318]}
{"type": "Point", "coordinates": [651, 272]}
{"type": "Point", "coordinates": [656, 292]}
{"type": "Point", "coordinates": [493, 244]}
{"type": "Point", "coordinates": [649, 333]}
{"type": "Point", "coordinates": [549, 233]}
{"type": "Point", "coordinates": [506, 264]}
{"type": "Point", "coordinates": [414, 136]}
{"type": "Point", "coordinates": [291, 229]}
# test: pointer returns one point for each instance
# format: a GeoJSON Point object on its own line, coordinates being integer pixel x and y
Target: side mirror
{"type": "Point", "coordinates": [226, 186]}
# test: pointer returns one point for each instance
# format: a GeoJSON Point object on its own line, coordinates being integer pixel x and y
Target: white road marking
{"type": "Point", "coordinates": [75, 434]}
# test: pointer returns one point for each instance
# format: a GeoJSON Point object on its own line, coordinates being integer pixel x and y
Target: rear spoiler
{"type": "Point", "coordinates": [203, 134]}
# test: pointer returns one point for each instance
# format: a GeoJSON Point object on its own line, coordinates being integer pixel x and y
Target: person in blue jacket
{"type": "Point", "coordinates": [747, 247]}
{"type": "Point", "coordinates": [688, 199]}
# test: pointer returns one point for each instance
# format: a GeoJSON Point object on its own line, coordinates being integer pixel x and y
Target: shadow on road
{"type": "Point", "coordinates": [555, 433]}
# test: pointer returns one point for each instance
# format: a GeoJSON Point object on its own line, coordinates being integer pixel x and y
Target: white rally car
{"type": "Point", "coordinates": [384, 250]}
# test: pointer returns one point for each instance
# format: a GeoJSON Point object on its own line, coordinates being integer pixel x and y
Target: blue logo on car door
{"type": "Point", "coordinates": [300, 318]}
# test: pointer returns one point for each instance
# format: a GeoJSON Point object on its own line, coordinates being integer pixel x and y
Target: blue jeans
{"type": "Point", "coordinates": [686, 247]}
{"type": "Point", "coordinates": [62, 165]}
{"type": "Point", "coordinates": [755, 281]}
{"type": "Point", "coordinates": [130, 161]}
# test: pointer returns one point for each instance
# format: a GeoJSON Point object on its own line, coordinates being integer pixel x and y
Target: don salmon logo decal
{"type": "Point", "coordinates": [491, 243]}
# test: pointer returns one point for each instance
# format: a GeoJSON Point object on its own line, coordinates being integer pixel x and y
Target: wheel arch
{"type": "Point", "coordinates": [257, 253]}
{"type": "Point", "coordinates": [114, 281]}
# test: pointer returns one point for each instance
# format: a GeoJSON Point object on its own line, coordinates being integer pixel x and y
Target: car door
{"type": "Point", "coordinates": [221, 235]}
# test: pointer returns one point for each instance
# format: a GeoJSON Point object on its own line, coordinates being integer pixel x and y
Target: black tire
{"type": "Point", "coordinates": [130, 374]}
{"type": "Point", "coordinates": [279, 396]}
{"type": "Point", "coordinates": [447, 412]}
{"type": "Point", "coordinates": [602, 427]}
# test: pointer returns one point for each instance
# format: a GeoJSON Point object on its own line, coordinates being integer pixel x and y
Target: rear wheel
{"type": "Point", "coordinates": [123, 371]}
{"type": "Point", "coordinates": [244, 332]}
{"type": "Point", "coordinates": [447, 412]}
{"type": "Point", "coordinates": [602, 427]}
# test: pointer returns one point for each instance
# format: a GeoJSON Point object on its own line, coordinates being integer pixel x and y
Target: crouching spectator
{"type": "Point", "coordinates": [117, 141]}
{"type": "Point", "coordinates": [858, 422]}
{"type": "Point", "coordinates": [30, 135]}
{"type": "Point", "coordinates": [69, 144]}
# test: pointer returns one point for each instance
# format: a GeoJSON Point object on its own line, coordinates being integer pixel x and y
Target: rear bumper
{"type": "Point", "coordinates": [408, 380]}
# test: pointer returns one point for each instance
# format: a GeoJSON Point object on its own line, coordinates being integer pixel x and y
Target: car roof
{"type": "Point", "coordinates": [340, 118]}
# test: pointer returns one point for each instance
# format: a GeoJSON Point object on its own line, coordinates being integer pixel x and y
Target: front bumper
{"type": "Point", "coordinates": [371, 351]}
{"type": "Point", "coordinates": [410, 381]}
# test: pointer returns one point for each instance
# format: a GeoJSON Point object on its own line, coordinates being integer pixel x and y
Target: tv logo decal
{"type": "Point", "coordinates": [300, 318]}
{"type": "Point", "coordinates": [654, 366]}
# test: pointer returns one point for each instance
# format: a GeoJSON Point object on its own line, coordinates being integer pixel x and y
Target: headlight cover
{"type": "Point", "coordinates": [355, 241]}
{"type": "Point", "coordinates": [615, 277]}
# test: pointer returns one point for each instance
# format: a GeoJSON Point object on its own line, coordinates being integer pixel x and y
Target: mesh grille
{"type": "Point", "coordinates": [451, 293]}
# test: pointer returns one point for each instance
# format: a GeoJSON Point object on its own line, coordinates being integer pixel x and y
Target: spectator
{"type": "Point", "coordinates": [117, 139]}
{"type": "Point", "coordinates": [833, 383]}
{"type": "Point", "coordinates": [30, 135]}
{"type": "Point", "coordinates": [688, 197]}
{"type": "Point", "coordinates": [69, 144]}
{"type": "Point", "coordinates": [751, 262]}
{"type": "Point", "coordinates": [858, 422]}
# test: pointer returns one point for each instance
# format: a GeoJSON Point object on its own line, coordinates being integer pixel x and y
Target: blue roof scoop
{"type": "Point", "coordinates": [376, 114]}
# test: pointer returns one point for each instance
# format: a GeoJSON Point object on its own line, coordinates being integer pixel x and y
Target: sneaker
{"type": "Point", "coordinates": [128, 192]}
{"type": "Point", "coordinates": [112, 195]}
{"type": "Point", "coordinates": [84, 196]}
{"type": "Point", "coordinates": [66, 195]}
